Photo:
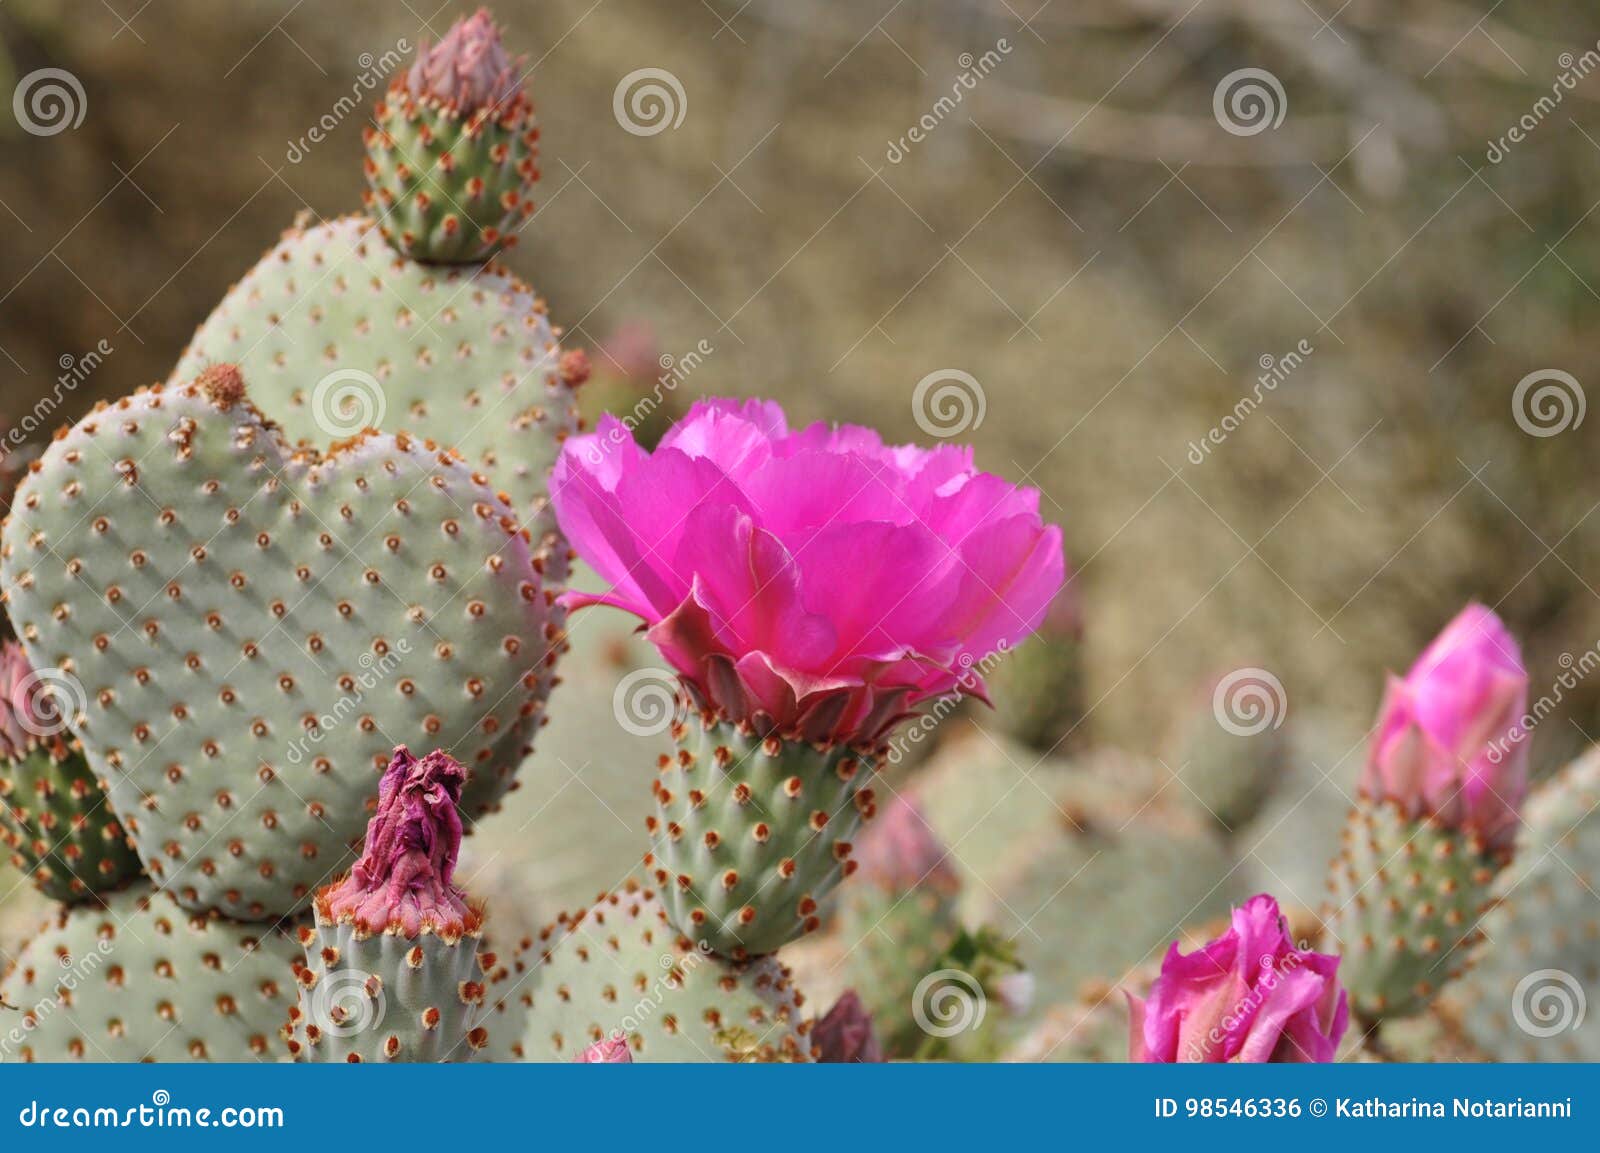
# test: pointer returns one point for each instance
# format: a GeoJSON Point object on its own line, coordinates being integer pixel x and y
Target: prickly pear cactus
{"type": "Point", "coordinates": [393, 969]}
{"type": "Point", "coordinates": [751, 835]}
{"type": "Point", "coordinates": [621, 969]}
{"type": "Point", "coordinates": [256, 628]}
{"type": "Point", "coordinates": [1525, 997]}
{"type": "Point", "coordinates": [141, 979]}
{"type": "Point", "coordinates": [1227, 771]}
{"type": "Point", "coordinates": [336, 332]}
{"type": "Point", "coordinates": [60, 829]}
{"type": "Point", "coordinates": [1405, 907]}
{"type": "Point", "coordinates": [452, 154]}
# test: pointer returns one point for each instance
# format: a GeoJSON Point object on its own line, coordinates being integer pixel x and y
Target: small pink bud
{"type": "Point", "coordinates": [844, 1035]}
{"type": "Point", "coordinates": [608, 1051]}
{"type": "Point", "coordinates": [403, 880]}
{"type": "Point", "coordinates": [1250, 995]}
{"type": "Point", "coordinates": [1449, 743]}
{"type": "Point", "coordinates": [899, 851]}
{"type": "Point", "coordinates": [467, 70]}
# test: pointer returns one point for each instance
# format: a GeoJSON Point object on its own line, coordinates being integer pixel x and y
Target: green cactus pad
{"type": "Point", "coordinates": [1227, 775]}
{"type": "Point", "coordinates": [140, 979]}
{"type": "Point", "coordinates": [450, 188]}
{"type": "Point", "coordinates": [384, 997]}
{"type": "Point", "coordinates": [255, 629]}
{"type": "Point", "coordinates": [1039, 694]}
{"type": "Point", "coordinates": [752, 834]}
{"type": "Point", "coordinates": [893, 942]}
{"type": "Point", "coordinates": [621, 969]}
{"type": "Point", "coordinates": [59, 827]}
{"type": "Point", "coordinates": [1526, 997]}
{"type": "Point", "coordinates": [335, 332]}
{"type": "Point", "coordinates": [1406, 901]}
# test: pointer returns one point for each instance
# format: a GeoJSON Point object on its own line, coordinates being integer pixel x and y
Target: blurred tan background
{"type": "Point", "coordinates": [1081, 233]}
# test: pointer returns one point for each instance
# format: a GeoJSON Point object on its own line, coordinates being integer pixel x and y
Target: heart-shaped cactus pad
{"type": "Point", "coordinates": [255, 627]}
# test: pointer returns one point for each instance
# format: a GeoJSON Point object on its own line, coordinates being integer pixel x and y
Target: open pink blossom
{"type": "Point", "coordinates": [818, 583]}
{"type": "Point", "coordinates": [1249, 995]}
{"type": "Point", "coordinates": [1449, 743]}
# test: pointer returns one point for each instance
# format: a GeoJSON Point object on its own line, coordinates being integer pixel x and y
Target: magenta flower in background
{"type": "Point", "coordinates": [820, 583]}
{"type": "Point", "coordinates": [1449, 743]}
{"type": "Point", "coordinates": [1249, 995]}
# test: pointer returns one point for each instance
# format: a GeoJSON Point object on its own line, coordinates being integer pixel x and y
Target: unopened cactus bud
{"type": "Point", "coordinates": [1444, 781]}
{"type": "Point", "coordinates": [845, 1034]}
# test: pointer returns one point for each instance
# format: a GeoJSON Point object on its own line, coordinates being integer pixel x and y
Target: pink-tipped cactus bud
{"type": "Point", "coordinates": [468, 69]}
{"type": "Point", "coordinates": [900, 851]}
{"type": "Point", "coordinates": [16, 728]}
{"type": "Point", "coordinates": [845, 1035]}
{"type": "Point", "coordinates": [606, 1051]}
{"type": "Point", "coordinates": [1250, 995]}
{"type": "Point", "coordinates": [1449, 744]}
{"type": "Point", "coordinates": [403, 880]}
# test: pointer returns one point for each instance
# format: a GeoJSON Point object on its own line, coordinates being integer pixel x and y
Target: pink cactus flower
{"type": "Point", "coordinates": [468, 69]}
{"type": "Point", "coordinates": [817, 584]}
{"type": "Point", "coordinates": [403, 880]}
{"type": "Point", "coordinates": [606, 1051]}
{"type": "Point", "coordinates": [1449, 743]}
{"type": "Point", "coordinates": [16, 725]}
{"type": "Point", "coordinates": [844, 1034]}
{"type": "Point", "coordinates": [1250, 995]}
{"type": "Point", "coordinates": [899, 851]}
